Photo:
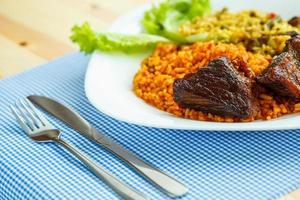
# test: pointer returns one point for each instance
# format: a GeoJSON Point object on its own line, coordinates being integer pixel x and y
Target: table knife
{"type": "Point", "coordinates": [165, 182]}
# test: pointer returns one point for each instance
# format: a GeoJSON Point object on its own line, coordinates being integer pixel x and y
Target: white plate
{"type": "Point", "coordinates": [108, 82]}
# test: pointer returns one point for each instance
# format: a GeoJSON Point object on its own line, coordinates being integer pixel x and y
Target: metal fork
{"type": "Point", "coordinates": [39, 129]}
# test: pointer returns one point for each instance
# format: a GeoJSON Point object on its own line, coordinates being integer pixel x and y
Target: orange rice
{"type": "Point", "coordinates": [154, 80]}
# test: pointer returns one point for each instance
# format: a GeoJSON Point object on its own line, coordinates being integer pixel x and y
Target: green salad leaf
{"type": "Point", "coordinates": [166, 18]}
{"type": "Point", "coordinates": [89, 40]}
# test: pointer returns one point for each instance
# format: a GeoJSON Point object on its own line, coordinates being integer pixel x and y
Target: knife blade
{"type": "Point", "coordinates": [165, 182]}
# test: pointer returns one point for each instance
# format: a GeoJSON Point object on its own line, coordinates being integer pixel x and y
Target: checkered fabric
{"type": "Point", "coordinates": [214, 165]}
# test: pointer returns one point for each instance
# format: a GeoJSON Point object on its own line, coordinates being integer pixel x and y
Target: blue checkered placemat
{"type": "Point", "coordinates": [215, 165]}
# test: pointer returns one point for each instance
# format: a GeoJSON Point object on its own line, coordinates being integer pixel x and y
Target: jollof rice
{"type": "Point", "coordinates": [153, 82]}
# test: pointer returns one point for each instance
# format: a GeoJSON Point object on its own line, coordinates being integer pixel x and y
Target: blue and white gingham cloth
{"type": "Point", "coordinates": [214, 165]}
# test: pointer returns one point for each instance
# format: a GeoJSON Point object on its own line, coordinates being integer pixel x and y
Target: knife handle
{"type": "Point", "coordinates": [164, 181]}
{"type": "Point", "coordinates": [118, 186]}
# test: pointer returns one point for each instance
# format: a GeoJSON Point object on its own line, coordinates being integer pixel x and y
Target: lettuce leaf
{"type": "Point", "coordinates": [89, 41]}
{"type": "Point", "coordinates": [166, 18]}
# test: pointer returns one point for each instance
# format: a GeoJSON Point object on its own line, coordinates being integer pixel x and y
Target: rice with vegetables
{"type": "Point", "coordinates": [153, 82]}
{"type": "Point", "coordinates": [257, 31]}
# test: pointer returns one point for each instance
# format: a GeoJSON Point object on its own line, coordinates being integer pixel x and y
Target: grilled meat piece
{"type": "Point", "coordinates": [295, 21]}
{"type": "Point", "coordinates": [218, 88]}
{"type": "Point", "coordinates": [293, 47]}
{"type": "Point", "coordinates": [283, 74]}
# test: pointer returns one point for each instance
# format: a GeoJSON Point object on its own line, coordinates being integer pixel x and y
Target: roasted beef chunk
{"type": "Point", "coordinates": [283, 74]}
{"type": "Point", "coordinates": [295, 21]}
{"type": "Point", "coordinates": [218, 88]}
{"type": "Point", "coordinates": [293, 47]}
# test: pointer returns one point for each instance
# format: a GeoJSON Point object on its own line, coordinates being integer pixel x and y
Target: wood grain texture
{"type": "Point", "coordinates": [15, 59]}
{"type": "Point", "coordinates": [39, 43]}
{"type": "Point", "coordinates": [41, 28]}
{"type": "Point", "coordinates": [34, 31]}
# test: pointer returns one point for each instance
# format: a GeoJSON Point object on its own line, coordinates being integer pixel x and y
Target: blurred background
{"type": "Point", "coordinates": [33, 32]}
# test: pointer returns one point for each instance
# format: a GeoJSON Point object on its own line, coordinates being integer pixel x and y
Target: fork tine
{"type": "Point", "coordinates": [31, 113]}
{"type": "Point", "coordinates": [20, 119]}
{"type": "Point", "coordinates": [21, 110]}
{"type": "Point", "coordinates": [37, 112]}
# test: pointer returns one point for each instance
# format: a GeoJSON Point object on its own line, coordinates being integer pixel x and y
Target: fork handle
{"type": "Point", "coordinates": [118, 186]}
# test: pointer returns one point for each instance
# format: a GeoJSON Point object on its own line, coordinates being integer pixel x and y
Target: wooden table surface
{"type": "Point", "coordinates": [32, 32]}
